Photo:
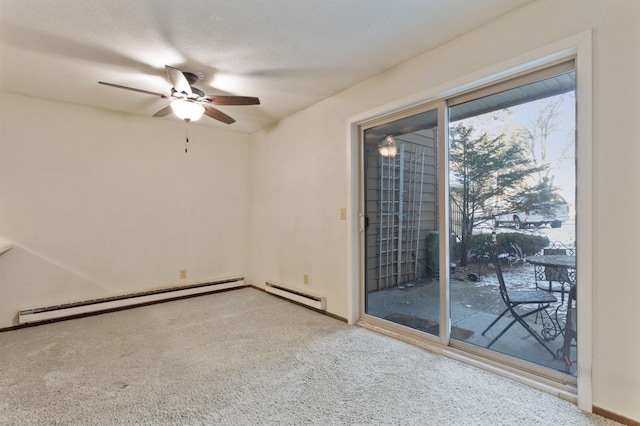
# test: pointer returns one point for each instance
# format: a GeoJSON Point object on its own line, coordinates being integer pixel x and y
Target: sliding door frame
{"type": "Point", "coordinates": [443, 222]}
{"type": "Point", "coordinates": [579, 47]}
{"type": "Point", "coordinates": [442, 218]}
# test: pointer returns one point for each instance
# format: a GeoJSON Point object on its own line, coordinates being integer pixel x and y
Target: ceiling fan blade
{"type": "Point", "coordinates": [217, 114]}
{"type": "Point", "coordinates": [233, 100]}
{"type": "Point", "coordinates": [133, 89]}
{"type": "Point", "coordinates": [179, 81]}
{"type": "Point", "coordinates": [163, 112]}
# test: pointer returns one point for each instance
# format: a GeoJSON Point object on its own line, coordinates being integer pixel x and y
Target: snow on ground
{"type": "Point", "coordinates": [519, 277]}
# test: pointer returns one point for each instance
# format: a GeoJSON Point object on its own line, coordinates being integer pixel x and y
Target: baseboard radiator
{"type": "Point", "coordinates": [85, 307]}
{"type": "Point", "coordinates": [303, 297]}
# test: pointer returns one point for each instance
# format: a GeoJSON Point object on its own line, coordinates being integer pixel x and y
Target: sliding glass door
{"type": "Point", "coordinates": [484, 183]}
{"type": "Point", "coordinates": [512, 177]}
{"type": "Point", "coordinates": [401, 221]}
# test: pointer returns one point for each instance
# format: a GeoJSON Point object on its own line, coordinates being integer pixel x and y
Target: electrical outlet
{"type": "Point", "coordinates": [183, 274]}
{"type": "Point", "coordinates": [343, 214]}
{"type": "Point", "coordinates": [306, 278]}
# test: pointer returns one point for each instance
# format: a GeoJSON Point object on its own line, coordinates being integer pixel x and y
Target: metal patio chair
{"type": "Point", "coordinates": [513, 299]}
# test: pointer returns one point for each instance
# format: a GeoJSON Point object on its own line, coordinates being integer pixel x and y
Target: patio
{"type": "Point", "coordinates": [474, 305]}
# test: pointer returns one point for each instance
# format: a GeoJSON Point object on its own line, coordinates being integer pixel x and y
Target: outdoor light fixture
{"type": "Point", "coordinates": [188, 111]}
{"type": "Point", "coordinates": [387, 147]}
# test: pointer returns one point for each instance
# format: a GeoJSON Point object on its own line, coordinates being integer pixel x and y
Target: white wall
{"type": "Point", "coordinates": [300, 176]}
{"type": "Point", "coordinates": [101, 204]}
{"type": "Point", "coordinates": [297, 193]}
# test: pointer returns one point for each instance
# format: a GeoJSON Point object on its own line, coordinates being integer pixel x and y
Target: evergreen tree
{"type": "Point", "coordinates": [490, 176]}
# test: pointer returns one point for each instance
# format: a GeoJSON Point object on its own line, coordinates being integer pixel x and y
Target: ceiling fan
{"type": "Point", "coordinates": [190, 103]}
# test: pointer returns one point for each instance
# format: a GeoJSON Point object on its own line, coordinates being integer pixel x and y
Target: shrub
{"type": "Point", "coordinates": [529, 245]}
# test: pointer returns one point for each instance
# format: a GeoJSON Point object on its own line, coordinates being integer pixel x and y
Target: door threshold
{"type": "Point", "coordinates": [556, 384]}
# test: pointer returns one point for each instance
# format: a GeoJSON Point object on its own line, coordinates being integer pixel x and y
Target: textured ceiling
{"type": "Point", "coordinates": [289, 53]}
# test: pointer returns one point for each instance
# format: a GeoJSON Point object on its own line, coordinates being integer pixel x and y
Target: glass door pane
{"type": "Point", "coordinates": [512, 179]}
{"type": "Point", "coordinates": [401, 221]}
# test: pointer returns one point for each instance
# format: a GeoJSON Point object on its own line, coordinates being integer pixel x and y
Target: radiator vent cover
{"type": "Point", "coordinates": [85, 307]}
{"type": "Point", "coordinates": [296, 295]}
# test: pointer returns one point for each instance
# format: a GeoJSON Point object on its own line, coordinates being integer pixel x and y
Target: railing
{"type": "Point", "coordinates": [569, 247]}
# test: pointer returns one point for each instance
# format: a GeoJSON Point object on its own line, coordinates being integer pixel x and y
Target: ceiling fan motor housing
{"type": "Point", "coordinates": [196, 94]}
{"type": "Point", "coordinates": [191, 77]}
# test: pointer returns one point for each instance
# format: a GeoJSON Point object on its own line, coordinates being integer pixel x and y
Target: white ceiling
{"type": "Point", "coordinates": [289, 53]}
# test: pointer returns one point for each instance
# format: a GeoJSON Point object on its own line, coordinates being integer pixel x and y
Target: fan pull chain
{"type": "Point", "coordinates": [186, 136]}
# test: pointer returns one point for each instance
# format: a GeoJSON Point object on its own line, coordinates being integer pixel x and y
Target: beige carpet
{"type": "Point", "coordinates": [247, 358]}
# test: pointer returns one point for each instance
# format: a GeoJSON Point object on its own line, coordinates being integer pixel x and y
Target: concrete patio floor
{"type": "Point", "coordinates": [474, 305]}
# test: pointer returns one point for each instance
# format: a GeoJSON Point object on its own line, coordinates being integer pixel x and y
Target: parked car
{"type": "Point", "coordinates": [553, 212]}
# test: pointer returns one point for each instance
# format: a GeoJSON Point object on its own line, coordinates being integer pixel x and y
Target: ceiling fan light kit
{"type": "Point", "coordinates": [187, 110]}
